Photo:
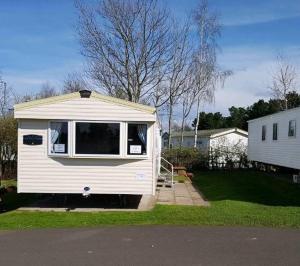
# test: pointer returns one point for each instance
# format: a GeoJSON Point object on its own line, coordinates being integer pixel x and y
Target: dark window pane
{"type": "Point", "coordinates": [137, 139]}
{"type": "Point", "coordinates": [263, 133]}
{"type": "Point", "coordinates": [59, 137]}
{"type": "Point", "coordinates": [97, 138]}
{"type": "Point", "coordinates": [292, 128]}
{"type": "Point", "coordinates": [275, 131]}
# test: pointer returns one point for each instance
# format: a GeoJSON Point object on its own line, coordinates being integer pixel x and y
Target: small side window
{"type": "Point", "coordinates": [137, 139]}
{"type": "Point", "coordinates": [292, 128]}
{"type": "Point", "coordinates": [59, 137]}
{"type": "Point", "coordinates": [275, 131]}
{"type": "Point", "coordinates": [263, 133]}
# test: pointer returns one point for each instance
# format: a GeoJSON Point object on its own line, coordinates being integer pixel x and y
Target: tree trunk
{"type": "Point", "coordinates": [197, 123]}
{"type": "Point", "coordinates": [182, 126]}
{"type": "Point", "coordinates": [170, 125]}
{"type": "Point", "coordinates": [2, 173]}
{"type": "Point", "coordinates": [286, 103]}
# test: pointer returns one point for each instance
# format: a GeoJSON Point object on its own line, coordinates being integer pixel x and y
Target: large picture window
{"type": "Point", "coordinates": [59, 137]}
{"type": "Point", "coordinates": [137, 139]}
{"type": "Point", "coordinates": [97, 138]}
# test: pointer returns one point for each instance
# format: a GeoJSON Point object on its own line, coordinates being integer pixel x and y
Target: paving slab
{"type": "Point", "coordinates": [195, 195]}
{"type": "Point", "coordinates": [180, 194]}
{"type": "Point", "coordinates": [190, 187]}
{"type": "Point", "coordinates": [183, 201]}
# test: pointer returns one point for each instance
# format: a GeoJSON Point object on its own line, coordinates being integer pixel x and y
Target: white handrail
{"type": "Point", "coordinates": [166, 169]}
{"type": "Point", "coordinates": [172, 168]}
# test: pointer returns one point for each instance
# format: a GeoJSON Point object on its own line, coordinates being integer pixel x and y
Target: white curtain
{"type": "Point", "coordinates": [142, 133]}
{"type": "Point", "coordinates": [56, 128]}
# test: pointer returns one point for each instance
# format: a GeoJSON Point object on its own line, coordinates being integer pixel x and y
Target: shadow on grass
{"type": "Point", "coordinates": [248, 186]}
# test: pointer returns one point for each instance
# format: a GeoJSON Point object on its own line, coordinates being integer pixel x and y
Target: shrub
{"type": "Point", "coordinates": [187, 157]}
{"type": "Point", "coordinates": [191, 158]}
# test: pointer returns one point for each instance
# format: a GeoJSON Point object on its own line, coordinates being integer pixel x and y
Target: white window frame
{"type": "Point", "coordinates": [50, 154]}
{"type": "Point", "coordinates": [137, 156]}
{"type": "Point", "coordinates": [121, 140]}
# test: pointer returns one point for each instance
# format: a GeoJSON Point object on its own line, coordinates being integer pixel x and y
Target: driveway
{"type": "Point", "coordinates": [151, 245]}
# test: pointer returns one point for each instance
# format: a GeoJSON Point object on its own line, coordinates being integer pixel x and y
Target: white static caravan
{"type": "Point", "coordinates": [85, 142]}
{"type": "Point", "coordinates": [275, 139]}
{"type": "Point", "coordinates": [224, 138]}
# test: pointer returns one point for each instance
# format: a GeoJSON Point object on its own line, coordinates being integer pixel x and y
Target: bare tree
{"type": "Point", "coordinates": [178, 74]}
{"type": "Point", "coordinates": [8, 131]}
{"type": "Point", "coordinates": [284, 81]}
{"type": "Point", "coordinates": [8, 146]}
{"type": "Point", "coordinates": [126, 44]}
{"type": "Point", "coordinates": [46, 91]}
{"type": "Point", "coordinates": [3, 97]}
{"type": "Point", "coordinates": [27, 97]}
{"type": "Point", "coordinates": [205, 69]}
{"type": "Point", "coordinates": [74, 82]}
{"type": "Point", "coordinates": [187, 100]}
{"type": "Point", "coordinates": [6, 98]}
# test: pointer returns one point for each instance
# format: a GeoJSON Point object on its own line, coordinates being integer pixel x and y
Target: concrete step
{"type": "Point", "coordinates": [164, 182]}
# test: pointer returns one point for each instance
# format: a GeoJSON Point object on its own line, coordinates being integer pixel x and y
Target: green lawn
{"type": "Point", "coordinates": [9, 182]}
{"type": "Point", "coordinates": [237, 198]}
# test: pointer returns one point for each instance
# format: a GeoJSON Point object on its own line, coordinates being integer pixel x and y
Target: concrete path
{"type": "Point", "coordinates": [151, 245]}
{"type": "Point", "coordinates": [180, 194]}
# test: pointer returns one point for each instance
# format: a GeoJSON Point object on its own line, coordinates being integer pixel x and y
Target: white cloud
{"type": "Point", "coordinates": [253, 68]}
{"type": "Point", "coordinates": [263, 12]}
{"type": "Point", "coordinates": [251, 18]}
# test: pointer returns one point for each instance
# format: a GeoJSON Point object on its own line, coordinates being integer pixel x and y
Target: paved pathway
{"type": "Point", "coordinates": [180, 194]}
{"type": "Point", "coordinates": [151, 245]}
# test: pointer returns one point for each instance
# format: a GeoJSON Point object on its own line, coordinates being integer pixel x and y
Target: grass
{"type": "Point", "coordinates": [243, 198]}
{"type": "Point", "coordinates": [8, 182]}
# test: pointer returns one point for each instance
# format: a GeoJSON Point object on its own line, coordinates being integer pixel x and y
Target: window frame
{"type": "Point", "coordinates": [68, 153]}
{"type": "Point", "coordinates": [295, 131]}
{"type": "Point", "coordinates": [136, 156]}
{"type": "Point", "coordinates": [276, 131]}
{"type": "Point", "coordinates": [79, 155]}
{"type": "Point", "coordinates": [263, 132]}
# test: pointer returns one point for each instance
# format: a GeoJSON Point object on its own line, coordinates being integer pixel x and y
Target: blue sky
{"type": "Point", "coordinates": [38, 43]}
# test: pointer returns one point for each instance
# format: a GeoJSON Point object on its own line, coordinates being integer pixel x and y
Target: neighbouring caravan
{"type": "Point", "coordinates": [87, 143]}
{"type": "Point", "coordinates": [221, 138]}
{"type": "Point", "coordinates": [224, 145]}
{"type": "Point", "coordinates": [275, 139]}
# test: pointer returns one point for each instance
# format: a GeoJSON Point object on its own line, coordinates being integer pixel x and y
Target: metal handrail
{"type": "Point", "coordinates": [166, 169]}
{"type": "Point", "coordinates": [172, 168]}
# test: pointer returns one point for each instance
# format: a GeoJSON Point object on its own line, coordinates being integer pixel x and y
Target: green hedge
{"type": "Point", "coordinates": [188, 157]}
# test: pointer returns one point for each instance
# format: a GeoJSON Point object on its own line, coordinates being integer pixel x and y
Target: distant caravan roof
{"type": "Point", "coordinates": [275, 114]}
{"type": "Point", "coordinates": [211, 133]}
{"type": "Point", "coordinates": [74, 95]}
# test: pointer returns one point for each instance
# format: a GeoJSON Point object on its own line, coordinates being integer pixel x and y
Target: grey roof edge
{"type": "Point", "coordinates": [277, 113]}
{"type": "Point", "coordinates": [211, 133]}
